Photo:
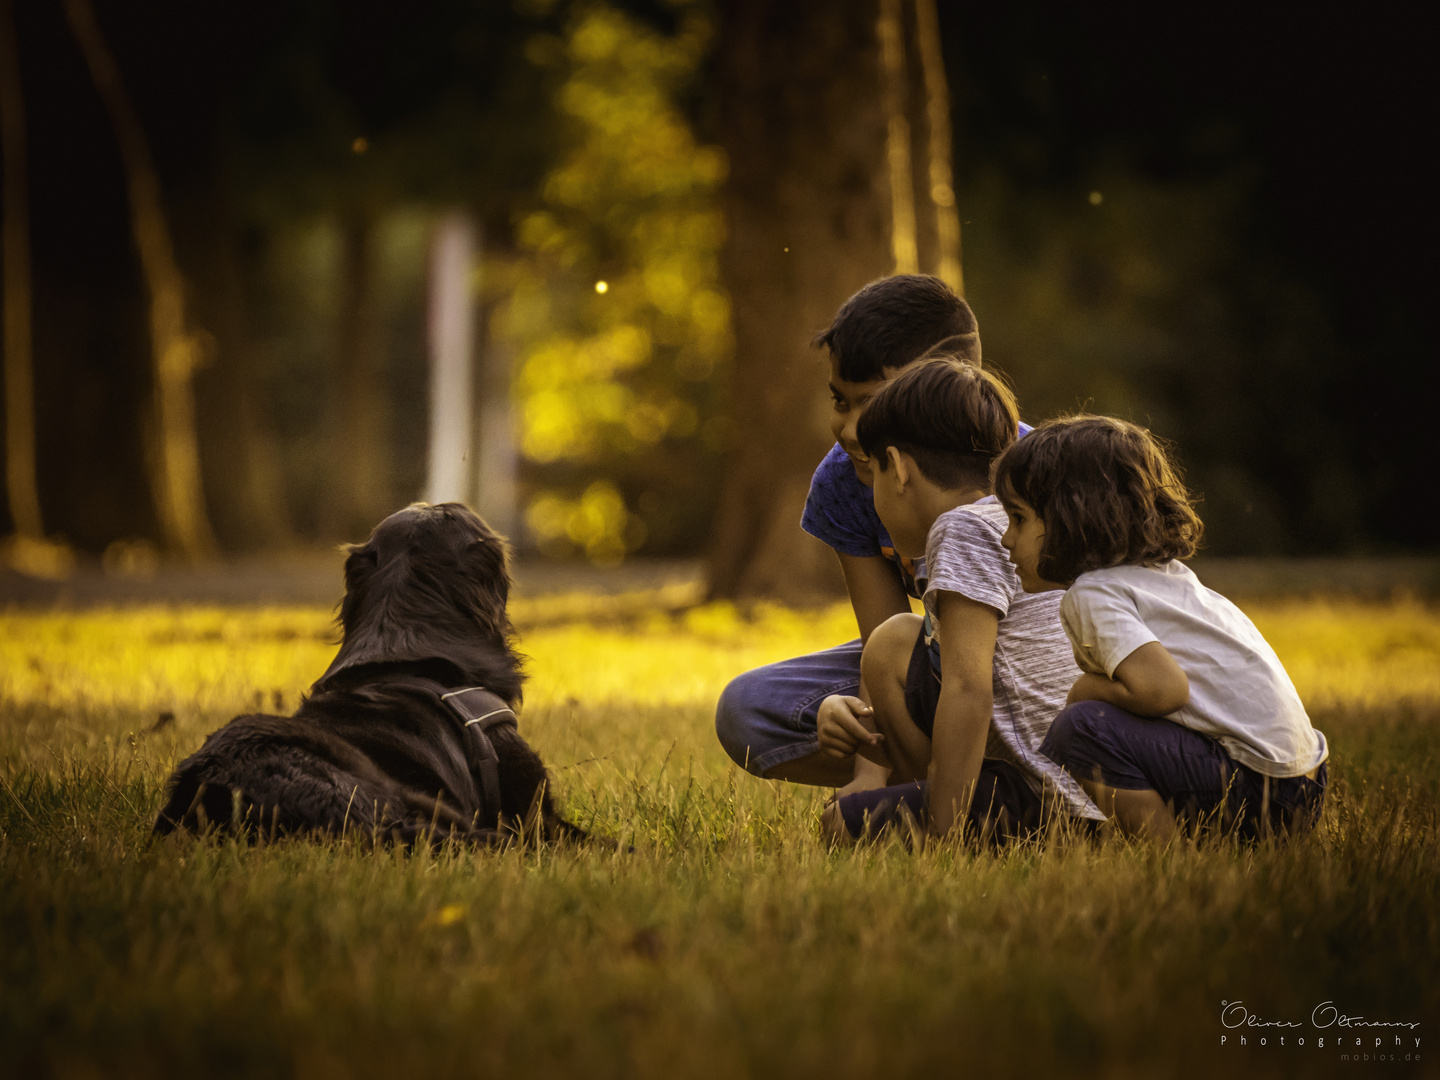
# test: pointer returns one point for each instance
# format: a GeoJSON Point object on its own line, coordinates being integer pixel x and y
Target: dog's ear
{"type": "Point", "coordinates": [485, 566]}
{"type": "Point", "coordinates": [360, 565]}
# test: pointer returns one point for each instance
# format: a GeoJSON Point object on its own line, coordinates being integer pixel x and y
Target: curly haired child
{"type": "Point", "coordinates": [1183, 713]}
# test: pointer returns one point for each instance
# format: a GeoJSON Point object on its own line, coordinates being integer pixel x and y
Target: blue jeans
{"type": "Point", "coordinates": [766, 717]}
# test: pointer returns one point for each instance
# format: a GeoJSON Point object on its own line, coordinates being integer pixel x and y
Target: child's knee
{"type": "Point", "coordinates": [887, 652]}
{"type": "Point", "coordinates": [736, 714]}
{"type": "Point", "coordinates": [1076, 725]}
{"type": "Point", "coordinates": [1061, 737]}
{"type": "Point", "coordinates": [1074, 737]}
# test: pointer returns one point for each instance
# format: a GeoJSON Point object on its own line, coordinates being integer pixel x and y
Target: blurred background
{"type": "Point", "coordinates": [273, 269]}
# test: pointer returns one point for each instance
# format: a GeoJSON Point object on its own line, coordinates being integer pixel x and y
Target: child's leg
{"type": "Point", "coordinates": [1005, 808]}
{"type": "Point", "coordinates": [886, 671]}
{"type": "Point", "coordinates": [1140, 771]}
{"type": "Point", "coordinates": [765, 719]}
{"type": "Point", "coordinates": [846, 819]}
{"type": "Point", "coordinates": [1135, 812]}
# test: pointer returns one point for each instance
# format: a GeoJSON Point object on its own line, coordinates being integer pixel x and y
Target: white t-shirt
{"type": "Point", "coordinates": [1034, 668]}
{"type": "Point", "coordinates": [1239, 691]}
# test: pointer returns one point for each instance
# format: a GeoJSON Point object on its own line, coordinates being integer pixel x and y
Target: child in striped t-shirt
{"type": "Point", "coordinates": [952, 709]}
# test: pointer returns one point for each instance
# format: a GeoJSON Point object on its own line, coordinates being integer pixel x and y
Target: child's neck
{"type": "Point", "coordinates": [935, 500]}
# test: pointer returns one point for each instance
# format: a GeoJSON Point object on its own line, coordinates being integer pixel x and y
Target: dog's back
{"type": "Point", "coordinates": [267, 774]}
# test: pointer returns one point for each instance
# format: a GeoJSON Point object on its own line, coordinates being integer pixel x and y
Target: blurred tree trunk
{"type": "Point", "coordinates": [20, 485]}
{"type": "Point", "coordinates": [808, 212]}
{"type": "Point", "coordinates": [174, 450]}
{"type": "Point", "coordinates": [821, 106]}
{"type": "Point", "coordinates": [497, 458]}
{"type": "Point", "coordinates": [359, 442]}
{"type": "Point", "coordinates": [239, 449]}
{"type": "Point", "coordinates": [890, 27]}
{"type": "Point", "coordinates": [938, 129]}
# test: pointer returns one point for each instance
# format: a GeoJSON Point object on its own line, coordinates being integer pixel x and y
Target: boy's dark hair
{"type": "Point", "coordinates": [895, 321]}
{"type": "Point", "coordinates": [1106, 492]}
{"type": "Point", "coordinates": [952, 416]}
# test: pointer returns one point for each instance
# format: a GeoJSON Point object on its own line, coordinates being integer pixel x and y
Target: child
{"type": "Point", "coordinates": [964, 699]}
{"type": "Point", "coordinates": [766, 719]}
{"type": "Point", "coordinates": [1182, 707]}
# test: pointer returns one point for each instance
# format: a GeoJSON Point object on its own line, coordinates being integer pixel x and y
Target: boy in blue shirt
{"type": "Point", "coordinates": [766, 719]}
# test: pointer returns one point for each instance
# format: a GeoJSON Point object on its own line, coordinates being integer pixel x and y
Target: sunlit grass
{"type": "Point", "coordinates": [604, 649]}
{"type": "Point", "coordinates": [728, 942]}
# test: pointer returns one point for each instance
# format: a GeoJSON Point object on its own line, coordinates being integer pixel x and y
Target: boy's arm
{"type": "Point", "coordinates": [874, 588]}
{"type": "Point", "coordinates": [967, 702]}
{"type": "Point", "coordinates": [1148, 682]}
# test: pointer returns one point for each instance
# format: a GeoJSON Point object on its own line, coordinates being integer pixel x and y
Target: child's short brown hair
{"type": "Point", "coordinates": [895, 321]}
{"type": "Point", "coordinates": [953, 417]}
{"type": "Point", "coordinates": [1106, 492]}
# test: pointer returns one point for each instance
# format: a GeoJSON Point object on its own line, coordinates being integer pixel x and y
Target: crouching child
{"type": "Point", "coordinates": [1183, 713]}
{"type": "Point", "coordinates": [954, 706]}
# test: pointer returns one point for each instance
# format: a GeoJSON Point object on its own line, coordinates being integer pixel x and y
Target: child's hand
{"type": "Point", "coordinates": [839, 726]}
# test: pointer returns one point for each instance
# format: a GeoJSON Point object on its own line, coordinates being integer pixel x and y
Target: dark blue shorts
{"type": "Point", "coordinates": [922, 687]}
{"type": "Point", "coordinates": [1004, 808]}
{"type": "Point", "coordinates": [1094, 740]}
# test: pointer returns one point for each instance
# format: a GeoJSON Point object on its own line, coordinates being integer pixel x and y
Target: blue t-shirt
{"type": "Point", "coordinates": [840, 510]}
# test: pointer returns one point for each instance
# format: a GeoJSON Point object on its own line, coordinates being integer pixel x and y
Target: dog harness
{"type": "Point", "coordinates": [480, 710]}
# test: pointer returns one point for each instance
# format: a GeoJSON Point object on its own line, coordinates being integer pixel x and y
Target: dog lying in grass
{"type": "Point", "coordinates": [411, 733]}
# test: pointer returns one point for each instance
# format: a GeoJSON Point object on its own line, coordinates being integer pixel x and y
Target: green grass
{"type": "Point", "coordinates": [729, 943]}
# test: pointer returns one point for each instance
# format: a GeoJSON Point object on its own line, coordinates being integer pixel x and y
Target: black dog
{"type": "Point", "coordinates": [411, 732]}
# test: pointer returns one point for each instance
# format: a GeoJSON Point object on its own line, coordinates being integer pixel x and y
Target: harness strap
{"type": "Point", "coordinates": [468, 703]}
{"type": "Point", "coordinates": [480, 710]}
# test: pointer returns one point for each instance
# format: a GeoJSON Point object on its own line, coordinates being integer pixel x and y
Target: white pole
{"type": "Point", "coordinates": [498, 462]}
{"type": "Point", "coordinates": [452, 324]}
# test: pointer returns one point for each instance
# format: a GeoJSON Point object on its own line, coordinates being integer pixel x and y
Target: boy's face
{"type": "Point", "coordinates": [899, 505]}
{"type": "Point", "coordinates": [847, 400]}
{"type": "Point", "coordinates": [1024, 536]}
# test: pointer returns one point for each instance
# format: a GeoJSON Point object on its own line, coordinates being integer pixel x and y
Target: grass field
{"type": "Point", "coordinates": [729, 943]}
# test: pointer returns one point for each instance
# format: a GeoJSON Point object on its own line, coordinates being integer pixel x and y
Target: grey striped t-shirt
{"type": "Point", "coordinates": [1034, 664]}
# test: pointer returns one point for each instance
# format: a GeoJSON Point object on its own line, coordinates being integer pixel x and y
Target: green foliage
{"type": "Point", "coordinates": [616, 311]}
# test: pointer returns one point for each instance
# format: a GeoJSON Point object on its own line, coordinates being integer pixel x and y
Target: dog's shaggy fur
{"type": "Point", "coordinates": [370, 750]}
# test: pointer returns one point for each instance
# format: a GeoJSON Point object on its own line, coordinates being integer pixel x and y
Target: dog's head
{"type": "Point", "coordinates": [431, 583]}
